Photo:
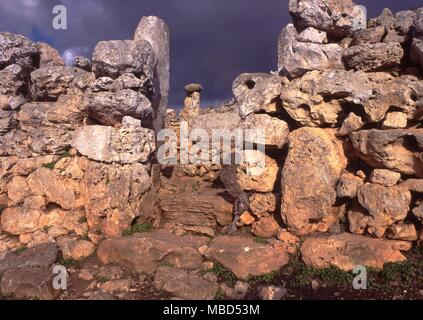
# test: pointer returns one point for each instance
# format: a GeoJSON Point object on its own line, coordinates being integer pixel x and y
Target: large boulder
{"type": "Point", "coordinates": [416, 53]}
{"type": "Point", "coordinates": [183, 285]}
{"type": "Point", "coordinates": [309, 178]}
{"type": "Point", "coordinates": [40, 256]}
{"type": "Point", "coordinates": [275, 130]}
{"type": "Point", "coordinates": [346, 251]}
{"type": "Point", "coordinates": [49, 56]}
{"type": "Point", "coordinates": [373, 57]}
{"type": "Point", "coordinates": [28, 275]}
{"type": "Point", "coordinates": [385, 206]}
{"type": "Point", "coordinates": [204, 210]}
{"type": "Point", "coordinates": [109, 108]}
{"type": "Point", "coordinates": [324, 98]}
{"type": "Point", "coordinates": [155, 31]}
{"type": "Point", "coordinates": [296, 58]}
{"type": "Point", "coordinates": [29, 283]}
{"type": "Point", "coordinates": [13, 81]}
{"type": "Point", "coordinates": [44, 127]}
{"type": "Point", "coordinates": [245, 257]}
{"type": "Point", "coordinates": [397, 150]}
{"type": "Point", "coordinates": [113, 196]}
{"type": "Point", "coordinates": [114, 58]}
{"type": "Point", "coordinates": [144, 253]}
{"type": "Point", "coordinates": [339, 18]}
{"type": "Point", "coordinates": [256, 92]}
{"type": "Point", "coordinates": [14, 87]}
{"type": "Point", "coordinates": [257, 172]}
{"type": "Point", "coordinates": [49, 83]}
{"type": "Point", "coordinates": [59, 192]}
{"type": "Point", "coordinates": [127, 145]}
{"type": "Point", "coordinates": [17, 49]}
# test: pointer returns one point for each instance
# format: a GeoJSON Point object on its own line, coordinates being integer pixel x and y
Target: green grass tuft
{"type": "Point", "coordinates": [269, 278]}
{"type": "Point", "coordinates": [261, 240]}
{"type": "Point", "coordinates": [224, 274]}
{"type": "Point", "coordinates": [20, 249]}
{"type": "Point", "coordinates": [330, 276]}
{"type": "Point", "coordinates": [138, 228]}
{"type": "Point", "coordinates": [2, 208]}
{"type": "Point", "coordinates": [50, 165]}
{"type": "Point", "coordinates": [69, 262]}
{"type": "Point", "coordinates": [66, 154]}
{"type": "Point", "coordinates": [220, 295]}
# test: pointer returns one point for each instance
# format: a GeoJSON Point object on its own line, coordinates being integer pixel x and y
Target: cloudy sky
{"type": "Point", "coordinates": [212, 41]}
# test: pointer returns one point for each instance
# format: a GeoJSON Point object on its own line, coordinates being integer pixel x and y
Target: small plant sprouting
{"type": "Point", "coordinates": [260, 240]}
{"type": "Point", "coordinates": [138, 228]}
{"type": "Point", "coordinates": [224, 274]}
{"type": "Point", "coordinates": [69, 262]}
{"type": "Point", "coordinates": [220, 295]}
{"type": "Point", "coordinates": [49, 165]}
{"type": "Point", "coordinates": [2, 208]}
{"type": "Point", "coordinates": [101, 279]}
{"type": "Point", "coordinates": [84, 237]}
{"type": "Point", "coordinates": [82, 219]}
{"type": "Point", "coordinates": [331, 276]}
{"type": "Point", "coordinates": [195, 186]}
{"type": "Point", "coordinates": [268, 278]}
{"type": "Point", "coordinates": [66, 154]}
{"type": "Point", "coordinates": [21, 249]}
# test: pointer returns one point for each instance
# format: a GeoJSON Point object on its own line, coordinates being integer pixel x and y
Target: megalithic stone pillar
{"type": "Point", "coordinates": [156, 32]}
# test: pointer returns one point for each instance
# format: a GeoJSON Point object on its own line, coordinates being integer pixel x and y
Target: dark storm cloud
{"type": "Point", "coordinates": [213, 41]}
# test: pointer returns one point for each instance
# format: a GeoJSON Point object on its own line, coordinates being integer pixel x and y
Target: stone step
{"type": "Point", "coordinates": [207, 209]}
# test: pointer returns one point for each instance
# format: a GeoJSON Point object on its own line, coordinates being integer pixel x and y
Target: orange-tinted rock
{"type": "Point", "coordinates": [245, 257]}
{"type": "Point", "coordinates": [265, 227]}
{"type": "Point", "coordinates": [312, 169]}
{"type": "Point", "coordinates": [346, 251]}
{"type": "Point", "coordinates": [143, 253]}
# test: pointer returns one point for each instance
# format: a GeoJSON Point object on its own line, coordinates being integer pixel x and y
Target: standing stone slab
{"type": "Point", "coordinates": [312, 170]}
{"type": "Point", "coordinates": [156, 32]}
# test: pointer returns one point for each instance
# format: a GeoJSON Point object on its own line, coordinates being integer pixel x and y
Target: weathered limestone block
{"type": "Point", "coordinates": [296, 58]}
{"type": "Point", "coordinates": [17, 49]}
{"type": "Point", "coordinates": [385, 206]}
{"type": "Point", "coordinates": [346, 251]}
{"type": "Point", "coordinates": [256, 92]}
{"type": "Point", "coordinates": [245, 257]}
{"type": "Point", "coordinates": [155, 31]}
{"type": "Point", "coordinates": [144, 253]}
{"type": "Point", "coordinates": [348, 185]}
{"type": "Point", "coordinates": [109, 108]}
{"type": "Point", "coordinates": [113, 196]}
{"type": "Point", "coordinates": [275, 131]}
{"type": "Point", "coordinates": [257, 172]}
{"type": "Point", "coordinates": [339, 18]}
{"type": "Point", "coordinates": [373, 57]}
{"type": "Point", "coordinates": [204, 210]}
{"type": "Point", "coordinates": [127, 145]}
{"type": "Point", "coordinates": [183, 285]}
{"type": "Point", "coordinates": [397, 150]}
{"type": "Point", "coordinates": [385, 177]}
{"type": "Point", "coordinates": [309, 177]}
{"type": "Point", "coordinates": [114, 58]}
{"type": "Point", "coordinates": [49, 56]}
{"type": "Point", "coordinates": [192, 102]}
{"type": "Point", "coordinates": [51, 82]}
